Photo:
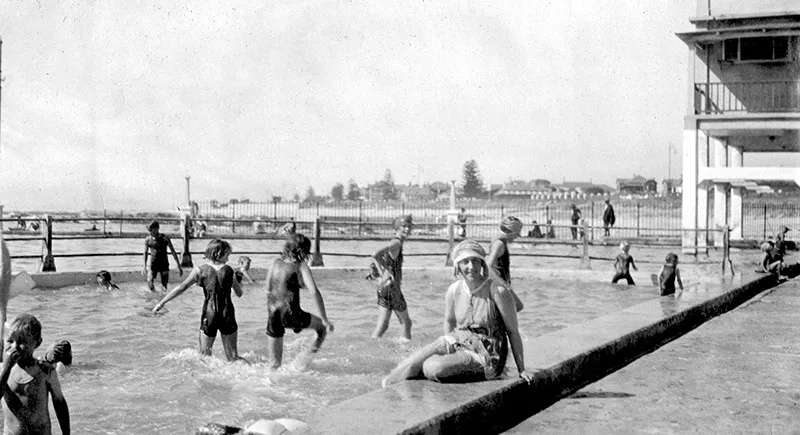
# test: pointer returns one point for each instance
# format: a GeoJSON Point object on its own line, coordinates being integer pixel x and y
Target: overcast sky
{"type": "Point", "coordinates": [110, 104]}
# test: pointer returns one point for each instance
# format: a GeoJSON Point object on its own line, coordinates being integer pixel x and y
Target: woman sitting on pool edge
{"type": "Point", "coordinates": [479, 314]}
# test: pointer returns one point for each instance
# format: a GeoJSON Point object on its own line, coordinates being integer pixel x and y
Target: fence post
{"type": "Point", "coordinates": [359, 217]}
{"type": "Point", "coordinates": [316, 257]}
{"type": "Point", "coordinates": [104, 220]}
{"type": "Point", "coordinates": [233, 217]}
{"type": "Point", "coordinates": [186, 256]}
{"type": "Point", "coordinates": [592, 220]}
{"type": "Point", "coordinates": [317, 209]}
{"type": "Point", "coordinates": [585, 264]}
{"type": "Point", "coordinates": [120, 222]}
{"type": "Point", "coordinates": [638, 214]}
{"type": "Point", "coordinates": [48, 261]}
{"type": "Point", "coordinates": [765, 221]}
{"type": "Point", "coordinates": [726, 250]}
{"type": "Point", "coordinates": [452, 216]}
{"type": "Point", "coordinates": [546, 213]}
{"type": "Point", "coordinates": [1, 217]}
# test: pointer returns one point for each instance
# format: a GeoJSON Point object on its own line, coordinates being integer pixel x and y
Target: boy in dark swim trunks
{"type": "Point", "coordinates": [26, 383]}
{"type": "Point", "coordinates": [217, 280]}
{"type": "Point", "coordinates": [286, 276]}
{"type": "Point", "coordinates": [668, 274]}
{"type": "Point", "coordinates": [389, 261]}
{"type": "Point", "coordinates": [155, 256]}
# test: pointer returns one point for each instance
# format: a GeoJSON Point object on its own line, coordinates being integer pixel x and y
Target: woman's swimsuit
{"type": "Point", "coordinates": [218, 313]}
{"type": "Point", "coordinates": [158, 245]}
{"type": "Point", "coordinates": [668, 283]}
{"type": "Point", "coordinates": [502, 264]}
{"type": "Point", "coordinates": [480, 330]}
{"type": "Point", "coordinates": [283, 301]}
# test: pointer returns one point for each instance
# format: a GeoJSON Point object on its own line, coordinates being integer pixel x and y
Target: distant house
{"type": "Point", "coordinates": [519, 189]}
{"type": "Point", "coordinates": [637, 185]}
{"type": "Point", "coordinates": [414, 193]}
{"type": "Point", "coordinates": [671, 186]}
{"type": "Point", "coordinates": [582, 187]}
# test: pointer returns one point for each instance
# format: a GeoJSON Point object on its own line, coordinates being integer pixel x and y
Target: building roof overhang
{"type": "Point", "coordinates": [744, 31]}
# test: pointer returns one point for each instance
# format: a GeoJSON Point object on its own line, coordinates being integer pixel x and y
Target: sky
{"type": "Point", "coordinates": [111, 104]}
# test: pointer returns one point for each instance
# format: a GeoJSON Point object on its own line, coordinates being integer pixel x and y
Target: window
{"type": "Point", "coordinates": [760, 49]}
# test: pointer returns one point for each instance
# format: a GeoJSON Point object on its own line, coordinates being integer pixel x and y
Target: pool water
{"type": "Point", "coordinates": [138, 373]}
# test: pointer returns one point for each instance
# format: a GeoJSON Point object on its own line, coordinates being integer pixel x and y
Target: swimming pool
{"type": "Point", "coordinates": [138, 373]}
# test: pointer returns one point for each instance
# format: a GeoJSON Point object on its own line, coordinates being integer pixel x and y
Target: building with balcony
{"type": "Point", "coordinates": [744, 97]}
{"type": "Point", "coordinates": [637, 185]}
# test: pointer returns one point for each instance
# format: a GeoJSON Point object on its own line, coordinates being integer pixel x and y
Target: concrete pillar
{"type": "Point", "coordinates": [702, 196]}
{"type": "Point", "coordinates": [689, 197]}
{"type": "Point", "coordinates": [735, 160]}
{"type": "Point", "coordinates": [720, 217]}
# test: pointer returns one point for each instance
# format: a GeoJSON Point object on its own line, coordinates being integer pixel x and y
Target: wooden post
{"type": "Point", "coordinates": [48, 261]}
{"type": "Point", "coordinates": [104, 221]}
{"type": "Point", "coordinates": [316, 257]}
{"type": "Point", "coordinates": [186, 256]}
{"type": "Point", "coordinates": [120, 222]}
{"type": "Point", "coordinates": [360, 226]}
{"type": "Point", "coordinates": [638, 214]}
{"type": "Point", "coordinates": [1, 210]}
{"type": "Point", "coordinates": [726, 250]}
{"type": "Point", "coordinates": [585, 263]}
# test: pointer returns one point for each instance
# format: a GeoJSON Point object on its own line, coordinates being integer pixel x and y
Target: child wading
{"type": "Point", "coordinates": [623, 263]}
{"type": "Point", "coordinates": [668, 274]}
{"type": "Point", "coordinates": [389, 261]}
{"type": "Point", "coordinates": [25, 383]}
{"type": "Point", "coordinates": [217, 280]}
{"type": "Point", "coordinates": [286, 276]}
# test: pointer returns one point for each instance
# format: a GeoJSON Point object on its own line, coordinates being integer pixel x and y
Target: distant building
{"type": "Point", "coordinates": [414, 193]}
{"type": "Point", "coordinates": [583, 188]}
{"type": "Point", "coordinates": [518, 189]}
{"type": "Point", "coordinates": [671, 186]}
{"type": "Point", "coordinates": [637, 185]}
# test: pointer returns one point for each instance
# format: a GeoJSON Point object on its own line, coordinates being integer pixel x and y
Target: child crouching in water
{"type": "Point", "coordinates": [25, 383]}
{"type": "Point", "coordinates": [668, 274]}
{"type": "Point", "coordinates": [286, 276]}
{"type": "Point", "coordinates": [217, 280]}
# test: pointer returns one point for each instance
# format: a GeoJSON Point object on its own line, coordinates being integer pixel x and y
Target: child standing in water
{"type": "Point", "coordinates": [155, 256]}
{"type": "Point", "coordinates": [217, 280]}
{"type": "Point", "coordinates": [286, 276]}
{"type": "Point", "coordinates": [26, 382]}
{"type": "Point", "coordinates": [389, 261]}
{"type": "Point", "coordinates": [623, 263]}
{"type": "Point", "coordinates": [668, 274]}
{"type": "Point", "coordinates": [499, 259]}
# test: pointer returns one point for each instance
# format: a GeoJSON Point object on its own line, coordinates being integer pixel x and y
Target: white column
{"type": "Point", "coordinates": [735, 160]}
{"type": "Point", "coordinates": [720, 218]}
{"type": "Point", "coordinates": [689, 196]}
{"type": "Point", "coordinates": [702, 195]}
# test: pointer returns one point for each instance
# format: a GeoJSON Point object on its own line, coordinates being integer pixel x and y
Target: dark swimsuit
{"type": "Point", "coordinates": [158, 245]}
{"type": "Point", "coordinates": [218, 313]}
{"type": "Point", "coordinates": [502, 264]}
{"type": "Point", "coordinates": [390, 296]}
{"type": "Point", "coordinates": [283, 301]}
{"type": "Point", "coordinates": [668, 283]}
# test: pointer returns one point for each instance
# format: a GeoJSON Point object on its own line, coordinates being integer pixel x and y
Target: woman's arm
{"type": "Point", "coordinates": [175, 256]}
{"type": "Point", "coordinates": [236, 287]}
{"type": "Point", "coordinates": [59, 402]}
{"type": "Point", "coordinates": [678, 277]}
{"type": "Point", "coordinates": [177, 290]}
{"type": "Point", "coordinates": [449, 310]}
{"type": "Point", "coordinates": [505, 303]}
{"type": "Point", "coordinates": [379, 256]}
{"type": "Point", "coordinates": [311, 285]}
{"type": "Point", "coordinates": [495, 251]}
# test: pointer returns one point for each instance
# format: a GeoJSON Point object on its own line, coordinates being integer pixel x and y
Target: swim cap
{"type": "Point", "coordinates": [60, 351]}
{"type": "Point", "coordinates": [402, 220]}
{"type": "Point", "coordinates": [510, 225]}
{"type": "Point", "coordinates": [467, 249]}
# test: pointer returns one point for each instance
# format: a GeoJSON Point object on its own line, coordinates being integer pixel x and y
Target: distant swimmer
{"type": "Point", "coordinates": [287, 276]}
{"type": "Point", "coordinates": [668, 275]}
{"type": "Point", "coordinates": [389, 261]}
{"type": "Point", "coordinates": [217, 280]}
{"type": "Point", "coordinates": [104, 280]}
{"type": "Point", "coordinates": [155, 256]}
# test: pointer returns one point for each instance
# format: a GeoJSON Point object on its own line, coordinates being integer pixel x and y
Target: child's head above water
{"type": "Point", "coordinates": [296, 248]}
{"type": "Point", "coordinates": [218, 249]}
{"type": "Point", "coordinates": [26, 331]}
{"type": "Point", "coordinates": [625, 246]}
{"type": "Point", "coordinates": [104, 277]}
{"type": "Point", "coordinates": [153, 227]}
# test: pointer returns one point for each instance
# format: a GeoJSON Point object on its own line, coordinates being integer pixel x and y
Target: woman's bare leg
{"type": "Point", "coordinates": [411, 367]}
{"type": "Point", "coordinates": [384, 314]}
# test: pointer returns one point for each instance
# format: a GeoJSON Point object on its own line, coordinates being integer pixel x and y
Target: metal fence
{"type": "Point", "coordinates": [654, 218]}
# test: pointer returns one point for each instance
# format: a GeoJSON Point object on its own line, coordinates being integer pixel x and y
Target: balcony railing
{"type": "Point", "coordinates": [747, 97]}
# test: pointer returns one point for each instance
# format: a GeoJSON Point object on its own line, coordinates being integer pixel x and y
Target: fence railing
{"type": "Point", "coordinates": [753, 97]}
